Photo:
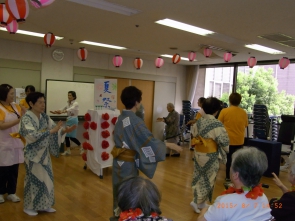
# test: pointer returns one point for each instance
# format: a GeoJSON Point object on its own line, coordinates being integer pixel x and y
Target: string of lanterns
{"type": "Point", "coordinates": [15, 12]}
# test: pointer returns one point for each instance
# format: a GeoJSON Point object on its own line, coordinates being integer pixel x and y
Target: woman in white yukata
{"type": "Point", "coordinates": [43, 137]}
{"type": "Point", "coordinates": [210, 142]}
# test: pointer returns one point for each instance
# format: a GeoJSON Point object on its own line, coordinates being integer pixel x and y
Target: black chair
{"type": "Point", "coordinates": [261, 121]}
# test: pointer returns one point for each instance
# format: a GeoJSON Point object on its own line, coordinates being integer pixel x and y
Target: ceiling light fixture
{"type": "Point", "coordinates": [35, 34]}
{"type": "Point", "coordinates": [184, 27]}
{"type": "Point", "coordinates": [104, 5]}
{"type": "Point", "coordinates": [264, 49]}
{"type": "Point", "coordinates": [170, 56]}
{"type": "Point", "coordinates": [102, 45]}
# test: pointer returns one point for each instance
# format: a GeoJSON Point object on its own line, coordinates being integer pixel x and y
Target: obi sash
{"type": "Point", "coordinates": [204, 145]}
{"type": "Point", "coordinates": [123, 154]}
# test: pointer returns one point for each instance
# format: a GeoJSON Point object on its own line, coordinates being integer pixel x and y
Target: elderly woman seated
{"type": "Point", "coordinates": [139, 199]}
{"type": "Point", "coordinates": [246, 200]}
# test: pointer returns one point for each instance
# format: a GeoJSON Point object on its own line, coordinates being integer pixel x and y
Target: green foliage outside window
{"type": "Point", "coordinates": [261, 87]}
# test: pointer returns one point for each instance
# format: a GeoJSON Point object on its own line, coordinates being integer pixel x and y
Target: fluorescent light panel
{"type": "Point", "coordinates": [102, 45]}
{"type": "Point", "coordinates": [184, 27]}
{"type": "Point", "coordinates": [35, 34]}
{"type": "Point", "coordinates": [170, 56]}
{"type": "Point", "coordinates": [264, 49]}
{"type": "Point", "coordinates": [107, 6]}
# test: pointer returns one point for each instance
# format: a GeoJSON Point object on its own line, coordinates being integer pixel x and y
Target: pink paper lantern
{"type": "Point", "coordinates": [227, 56]}
{"type": "Point", "coordinates": [207, 52]}
{"type": "Point", "coordinates": [5, 17]}
{"type": "Point", "coordinates": [192, 56]}
{"type": "Point", "coordinates": [12, 27]}
{"type": "Point", "coordinates": [159, 62]}
{"type": "Point", "coordinates": [19, 9]}
{"type": "Point", "coordinates": [252, 62]}
{"type": "Point", "coordinates": [41, 3]}
{"type": "Point", "coordinates": [82, 54]}
{"type": "Point", "coordinates": [138, 63]}
{"type": "Point", "coordinates": [117, 61]}
{"type": "Point", "coordinates": [49, 39]}
{"type": "Point", "coordinates": [176, 58]}
{"type": "Point", "coordinates": [284, 62]}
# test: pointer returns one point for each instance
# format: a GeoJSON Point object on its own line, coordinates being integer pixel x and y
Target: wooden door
{"type": "Point", "coordinates": [147, 88]}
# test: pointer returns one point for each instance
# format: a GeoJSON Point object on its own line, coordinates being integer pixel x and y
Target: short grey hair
{"type": "Point", "coordinates": [170, 105]}
{"type": "Point", "coordinates": [250, 163]}
{"type": "Point", "coordinates": [137, 192]}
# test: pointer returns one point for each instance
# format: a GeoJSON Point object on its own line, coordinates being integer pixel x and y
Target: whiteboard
{"type": "Point", "coordinates": [56, 95]}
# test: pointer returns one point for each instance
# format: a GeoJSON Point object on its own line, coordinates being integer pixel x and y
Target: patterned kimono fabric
{"type": "Point", "coordinates": [135, 149]}
{"type": "Point", "coordinates": [212, 132]}
{"type": "Point", "coordinates": [39, 187]}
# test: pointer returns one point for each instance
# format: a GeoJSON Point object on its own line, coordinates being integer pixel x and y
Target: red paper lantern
{"type": "Point", "coordinates": [12, 27]}
{"type": "Point", "coordinates": [192, 56]}
{"type": "Point", "coordinates": [86, 135]}
{"type": "Point", "coordinates": [105, 144]}
{"type": "Point", "coordinates": [93, 125]}
{"type": "Point", "coordinates": [84, 156]}
{"type": "Point", "coordinates": [159, 62]}
{"type": "Point", "coordinates": [5, 17]}
{"type": "Point", "coordinates": [207, 52]}
{"type": "Point", "coordinates": [176, 58]}
{"type": "Point", "coordinates": [284, 62]}
{"type": "Point", "coordinates": [227, 56]}
{"type": "Point", "coordinates": [87, 117]}
{"type": "Point", "coordinates": [105, 116]}
{"type": "Point", "coordinates": [252, 62]}
{"type": "Point", "coordinates": [114, 120]}
{"type": "Point", "coordinates": [49, 39]}
{"type": "Point", "coordinates": [86, 125]}
{"type": "Point", "coordinates": [105, 156]}
{"type": "Point", "coordinates": [105, 133]}
{"type": "Point", "coordinates": [19, 9]}
{"type": "Point", "coordinates": [105, 125]}
{"type": "Point", "coordinates": [82, 54]}
{"type": "Point", "coordinates": [117, 61]}
{"type": "Point", "coordinates": [41, 3]}
{"type": "Point", "coordinates": [138, 63]}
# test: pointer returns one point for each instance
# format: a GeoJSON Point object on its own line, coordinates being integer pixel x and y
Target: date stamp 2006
{"type": "Point", "coordinates": [246, 205]}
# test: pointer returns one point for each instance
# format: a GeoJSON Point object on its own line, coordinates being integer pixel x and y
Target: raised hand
{"type": "Point", "coordinates": [56, 112]}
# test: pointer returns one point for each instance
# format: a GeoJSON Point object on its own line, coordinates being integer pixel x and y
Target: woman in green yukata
{"type": "Point", "coordinates": [43, 137]}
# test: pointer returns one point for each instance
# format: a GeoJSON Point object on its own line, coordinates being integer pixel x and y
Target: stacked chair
{"type": "Point", "coordinates": [261, 122]}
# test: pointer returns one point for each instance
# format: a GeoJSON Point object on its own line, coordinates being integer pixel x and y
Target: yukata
{"type": "Point", "coordinates": [39, 187]}
{"type": "Point", "coordinates": [135, 149]}
{"type": "Point", "coordinates": [211, 141]}
{"type": "Point", "coordinates": [171, 129]}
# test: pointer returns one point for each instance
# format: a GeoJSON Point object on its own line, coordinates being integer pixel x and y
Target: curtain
{"type": "Point", "coordinates": [192, 80]}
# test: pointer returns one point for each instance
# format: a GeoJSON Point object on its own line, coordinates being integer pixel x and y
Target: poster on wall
{"type": "Point", "coordinates": [19, 94]}
{"type": "Point", "coordinates": [105, 94]}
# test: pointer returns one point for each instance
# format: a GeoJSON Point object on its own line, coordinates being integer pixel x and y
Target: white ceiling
{"type": "Point", "coordinates": [235, 23]}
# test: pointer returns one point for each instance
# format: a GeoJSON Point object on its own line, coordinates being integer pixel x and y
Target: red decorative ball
{"type": "Point", "coordinates": [105, 116]}
{"type": "Point", "coordinates": [86, 135]}
{"type": "Point", "coordinates": [87, 117]}
{"type": "Point", "coordinates": [105, 144]}
{"type": "Point", "coordinates": [105, 125]}
{"type": "Point", "coordinates": [86, 125]}
{"type": "Point", "coordinates": [114, 120]}
{"type": "Point", "coordinates": [93, 125]}
{"type": "Point", "coordinates": [105, 156]}
{"type": "Point", "coordinates": [105, 133]}
{"type": "Point", "coordinates": [84, 156]}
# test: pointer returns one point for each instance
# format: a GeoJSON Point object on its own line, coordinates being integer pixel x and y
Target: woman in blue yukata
{"type": "Point", "coordinates": [43, 137]}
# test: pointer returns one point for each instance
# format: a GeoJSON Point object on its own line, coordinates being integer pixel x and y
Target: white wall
{"type": "Point", "coordinates": [63, 70]}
